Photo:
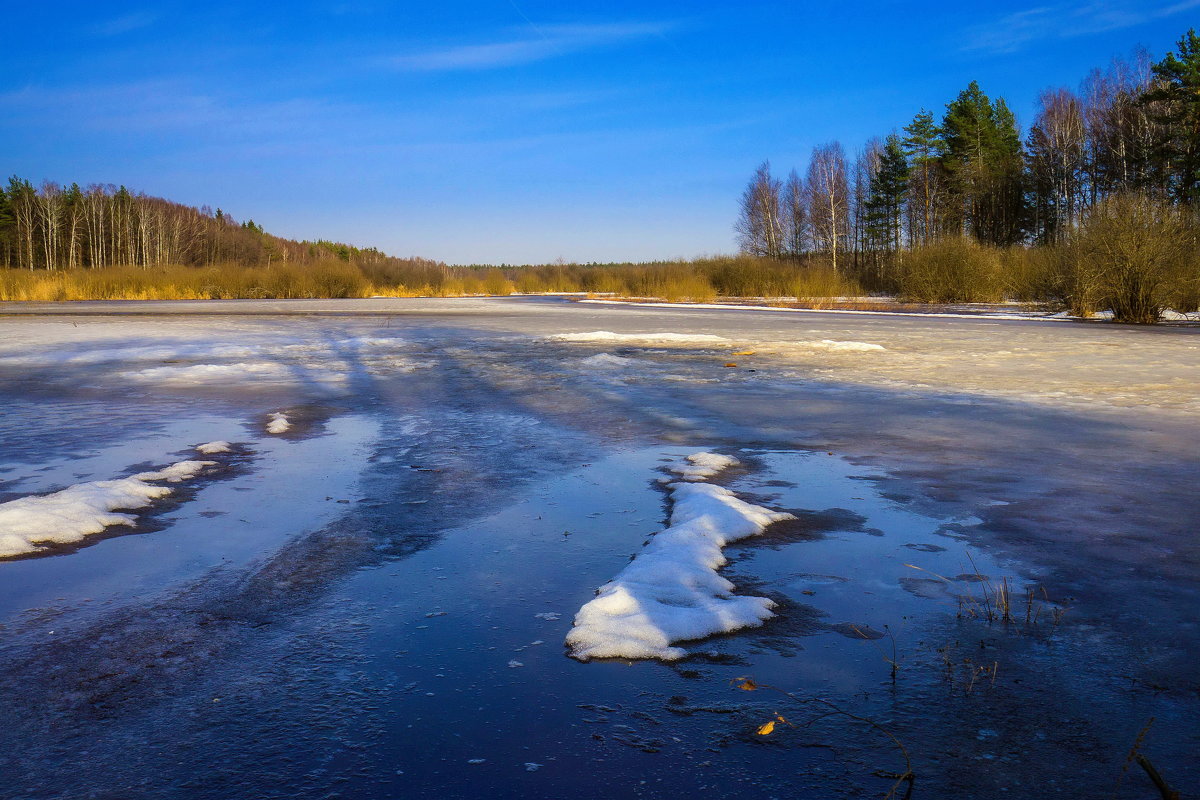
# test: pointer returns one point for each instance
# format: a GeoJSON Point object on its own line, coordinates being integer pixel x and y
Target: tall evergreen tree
{"type": "Point", "coordinates": [984, 160]}
{"type": "Point", "coordinates": [889, 189]}
{"type": "Point", "coordinates": [1178, 92]}
{"type": "Point", "coordinates": [7, 229]}
{"type": "Point", "coordinates": [925, 148]}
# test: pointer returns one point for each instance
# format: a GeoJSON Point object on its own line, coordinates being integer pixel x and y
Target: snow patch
{"type": "Point", "coordinates": [671, 591]}
{"type": "Point", "coordinates": [68, 516]}
{"type": "Point", "coordinates": [164, 352]}
{"type": "Point", "coordinates": [212, 448]}
{"type": "Point", "coordinates": [702, 466]}
{"type": "Point", "coordinates": [643, 338]}
{"type": "Point", "coordinates": [279, 423]}
{"type": "Point", "coordinates": [180, 471]}
{"type": "Point", "coordinates": [223, 373]}
{"type": "Point", "coordinates": [849, 347]}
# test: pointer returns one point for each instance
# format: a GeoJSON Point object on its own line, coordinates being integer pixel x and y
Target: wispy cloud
{"type": "Point", "coordinates": [1014, 31]}
{"type": "Point", "coordinates": [126, 23]}
{"type": "Point", "coordinates": [551, 41]}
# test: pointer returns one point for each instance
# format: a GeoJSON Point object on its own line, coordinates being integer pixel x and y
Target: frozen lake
{"type": "Point", "coordinates": [367, 594]}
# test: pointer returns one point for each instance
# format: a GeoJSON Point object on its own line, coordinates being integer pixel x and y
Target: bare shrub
{"type": "Point", "coordinates": [1034, 275]}
{"type": "Point", "coordinates": [494, 283]}
{"type": "Point", "coordinates": [693, 288]}
{"type": "Point", "coordinates": [814, 284]}
{"type": "Point", "coordinates": [1132, 254]}
{"type": "Point", "coordinates": [954, 270]}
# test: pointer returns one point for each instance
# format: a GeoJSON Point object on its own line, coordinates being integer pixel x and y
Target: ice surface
{"type": "Point", "coordinates": [164, 359]}
{"type": "Point", "coordinates": [92, 351]}
{"type": "Point", "coordinates": [671, 591]}
{"type": "Point", "coordinates": [69, 515]}
{"type": "Point", "coordinates": [606, 361]}
{"type": "Point", "coordinates": [228, 373]}
{"type": "Point", "coordinates": [279, 423]}
{"type": "Point", "coordinates": [642, 338]}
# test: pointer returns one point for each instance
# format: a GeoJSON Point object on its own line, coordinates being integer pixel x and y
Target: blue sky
{"type": "Point", "coordinates": [520, 132]}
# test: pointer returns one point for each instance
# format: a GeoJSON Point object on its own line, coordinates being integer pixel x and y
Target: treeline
{"type": "Point", "coordinates": [53, 227]}
{"type": "Point", "coordinates": [1128, 138]}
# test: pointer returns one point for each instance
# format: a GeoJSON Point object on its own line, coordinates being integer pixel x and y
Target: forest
{"type": "Point", "coordinates": [1096, 207]}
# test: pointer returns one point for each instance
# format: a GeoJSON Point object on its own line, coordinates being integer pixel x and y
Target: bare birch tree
{"type": "Point", "coordinates": [829, 198]}
{"type": "Point", "coordinates": [795, 216]}
{"type": "Point", "coordinates": [759, 228]}
{"type": "Point", "coordinates": [1057, 149]}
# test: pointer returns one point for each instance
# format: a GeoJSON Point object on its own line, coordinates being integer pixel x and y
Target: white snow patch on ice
{"type": "Point", "coordinates": [69, 515]}
{"type": "Point", "coordinates": [643, 338]}
{"type": "Point", "coordinates": [701, 466]}
{"type": "Point", "coordinates": [671, 591]}
{"type": "Point", "coordinates": [180, 471]}
{"type": "Point", "coordinates": [164, 352]}
{"type": "Point", "coordinates": [279, 423]}
{"type": "Point", "coordinates": [606, 361]}
{"type": "Point", "coordinates": [223, 373]}
{"type": "Point", "coordinates": [212, 448]}
{"type": "Point", "coordinates": [849, 347]}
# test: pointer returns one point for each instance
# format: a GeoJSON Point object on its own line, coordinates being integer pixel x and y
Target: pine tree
{"type": "Point", "coordinates": [7, 229]}
{"type": "Point", "coordinates": [984, 163]}
{"type": "Point", "coordinates": [889, 189]}
{"type": "Point", "coordinates": [1179, 95]}
{"type": "Point", "coordinates": [925, 148]}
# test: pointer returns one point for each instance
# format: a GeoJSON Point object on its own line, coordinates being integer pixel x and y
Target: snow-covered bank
{"type": "Point", "coordinates": [29, 524]}
{"type": "Point", "coordinates": [671, 591]}
{"type": "Point", "coordinates": [1015, 315]}
{"type": "Point", "coordinates": [608, 360]}
{"type": "Point", "coordinates": [1168, 315]}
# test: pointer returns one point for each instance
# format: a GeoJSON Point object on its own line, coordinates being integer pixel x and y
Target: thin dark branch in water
{"type": "Point", "coordinates": [906, 778]}
{"type": "Point", "coordinates": [1164, 788]}
{"type": "Point", "coordinates": [1132, 756]}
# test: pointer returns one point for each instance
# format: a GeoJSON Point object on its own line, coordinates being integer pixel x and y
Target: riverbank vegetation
{"type": "Point", "coordinates": [700, 280]}
{"type": "Point", "coordinates": [1096, 207]}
